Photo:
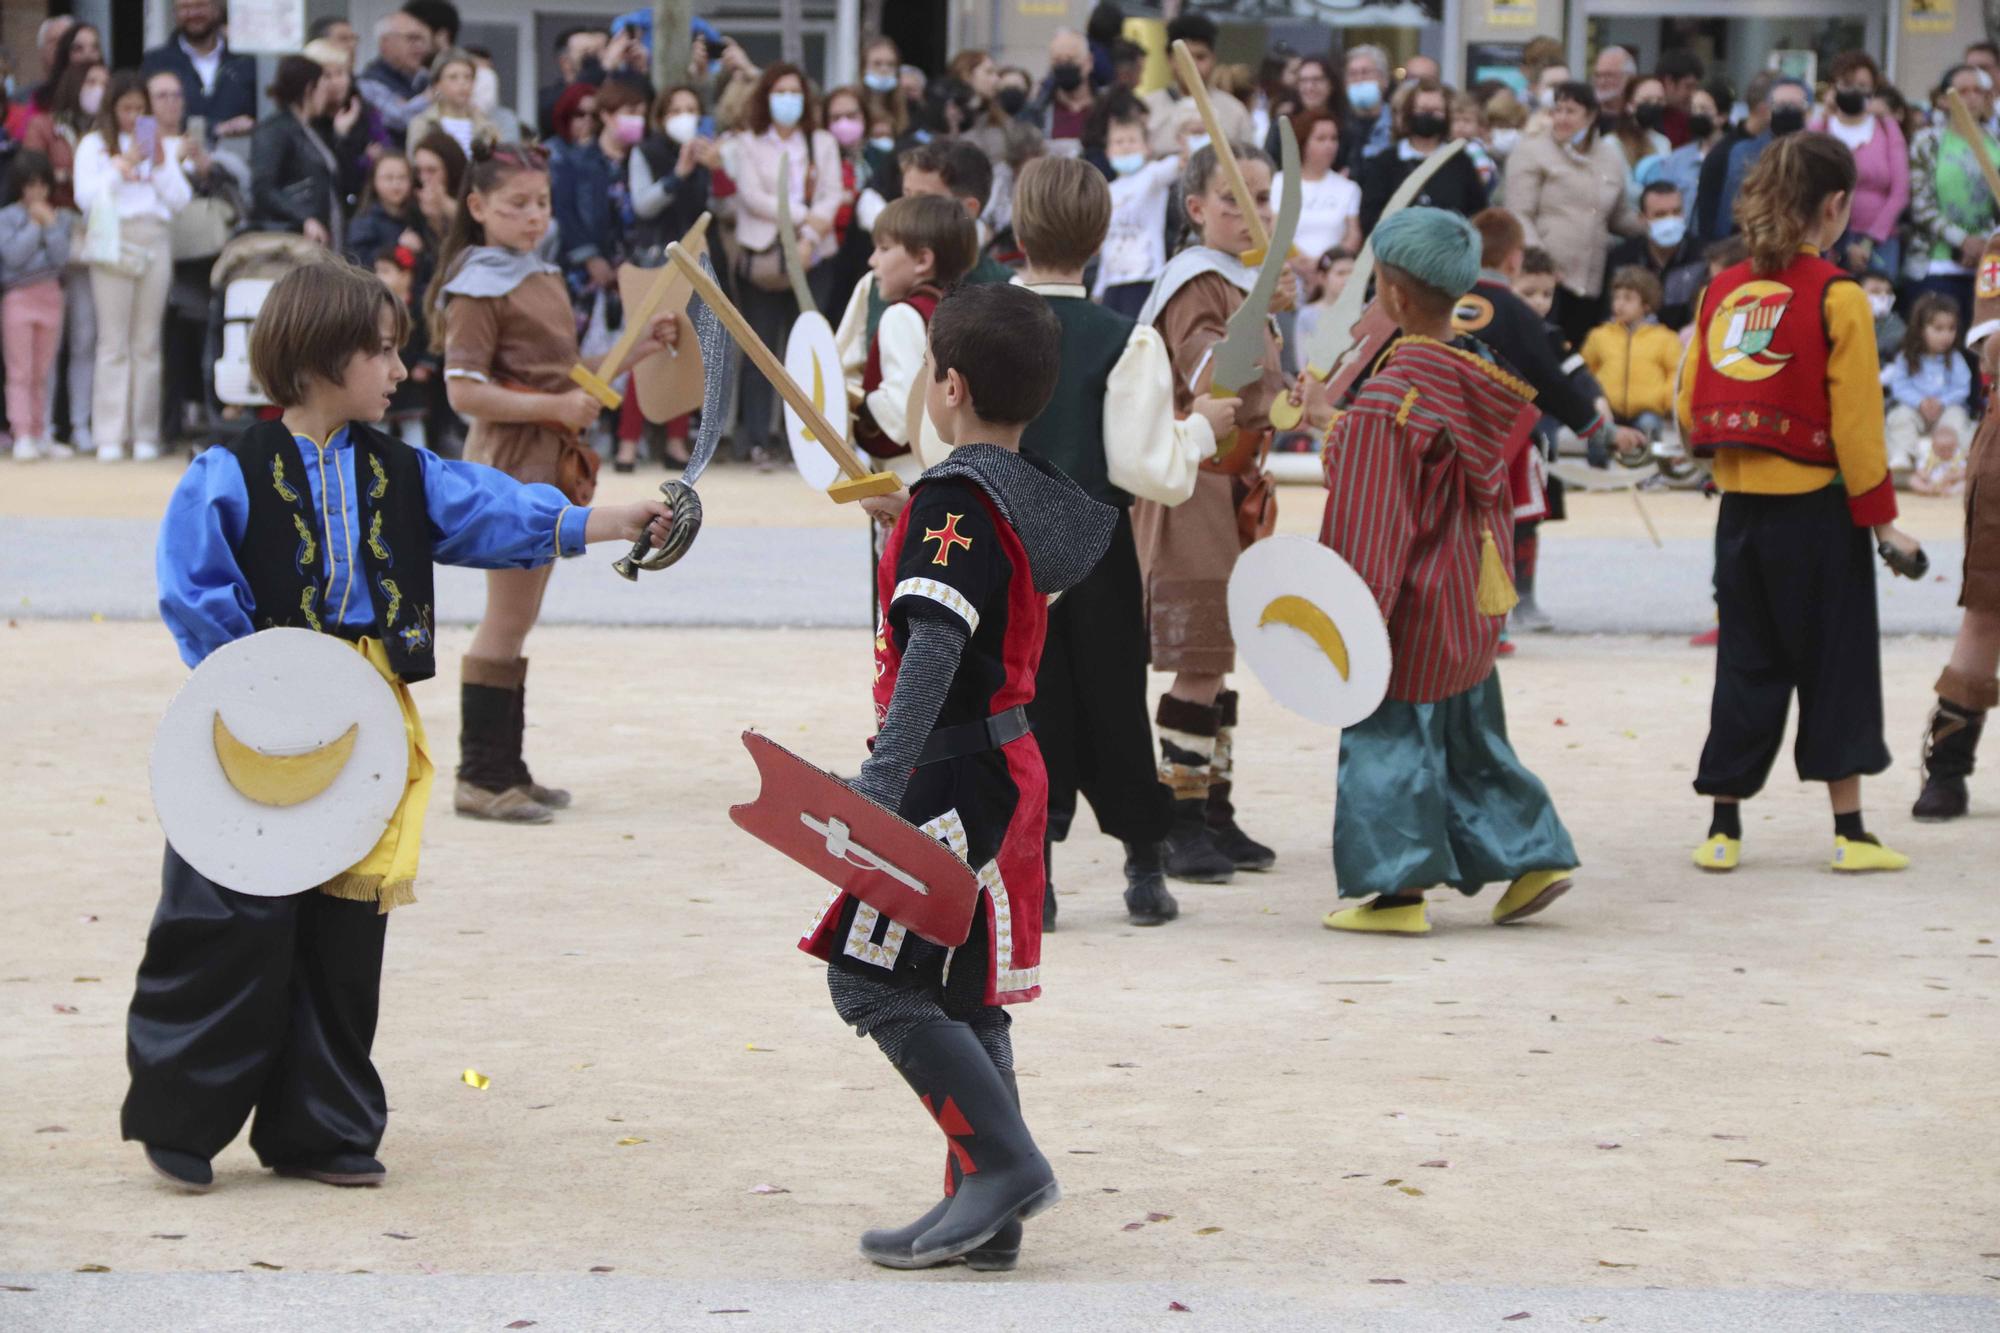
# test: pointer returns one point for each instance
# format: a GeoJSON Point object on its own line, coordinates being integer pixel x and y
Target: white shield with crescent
{"type": "Point", "coordinates": [812, 359]}
{"type": "Point", "coordinates": [279, 762]}
{"type": "Point", "coordinates": [1310, 630]}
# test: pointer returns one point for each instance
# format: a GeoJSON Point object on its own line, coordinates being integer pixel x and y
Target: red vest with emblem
{"type": "Point", "coordinates": [867, 434]}
{"type": "Point", "coordinates": [1759, 363]}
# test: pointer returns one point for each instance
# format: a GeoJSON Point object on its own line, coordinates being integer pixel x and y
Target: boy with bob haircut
{"type": "Point", "coordinates": [1430, 791]}
{"type": "Point", "coordinates": [1110, 427]}
{"type": "Point", "coordinates": [923, 244]}
{"type": "Point", "coordinates": [982, 541]}
{"type": "Point", "coordinates": [318, 521]}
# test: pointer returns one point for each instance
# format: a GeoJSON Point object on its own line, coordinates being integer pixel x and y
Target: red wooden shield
{"type": "Point", "coordinates": [849, 841]}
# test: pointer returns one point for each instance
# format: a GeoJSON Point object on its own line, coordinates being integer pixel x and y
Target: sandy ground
{"type": "Point", "coordinates": [1780, 1080]}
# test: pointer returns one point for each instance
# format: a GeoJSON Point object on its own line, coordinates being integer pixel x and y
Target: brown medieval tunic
{"type": "Point", "coordinates": [525, 340]}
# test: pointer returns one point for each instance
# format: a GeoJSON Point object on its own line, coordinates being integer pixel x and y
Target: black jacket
{"type": "Point", "coordinates": [1456, 186]}
{"type": "Point", "coordinates": [235, 91]}
{"type": "Point", "coordinates": [290, 181]}
{"type": "Point", "coordinates": [1504, 322]}
{"type": "Point", "coordinates": [1683, 275]}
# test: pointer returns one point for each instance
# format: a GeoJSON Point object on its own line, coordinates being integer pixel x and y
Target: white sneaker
{"type": "Point", "coordinates": [110, 453]}
{"type": "Point", "coordinates": [145, 451]}
{"type": "Point", "coordinates": [25, 450]}
{"type": "Point", "coordinates": [56, 449]}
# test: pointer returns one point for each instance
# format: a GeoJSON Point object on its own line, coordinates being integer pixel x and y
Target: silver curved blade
{"type": "Point", "coordinates": [1238, 357]}
{"type": "Point", "coordinates": [718, 357]}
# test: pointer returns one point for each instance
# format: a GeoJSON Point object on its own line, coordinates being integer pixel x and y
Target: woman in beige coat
{"type": "Point", "coordinates": [1567, 186]}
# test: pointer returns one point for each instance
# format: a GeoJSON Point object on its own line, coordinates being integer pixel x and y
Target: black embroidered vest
{"type": "Point", "coordinates": [283, 552]}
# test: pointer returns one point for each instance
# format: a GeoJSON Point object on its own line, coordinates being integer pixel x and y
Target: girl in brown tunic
{"type": "Point", "coordinates": [502, 319]}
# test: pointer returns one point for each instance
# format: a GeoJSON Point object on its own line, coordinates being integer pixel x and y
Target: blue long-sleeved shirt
{"type": "Point", "coordinates": [479, 517]}
{"type": "Point", "coordinates": [1946, 378]}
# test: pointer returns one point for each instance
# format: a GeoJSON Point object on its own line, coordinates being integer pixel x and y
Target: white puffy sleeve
{"type": "Point", "coordinates": [851, 338]}
{"type": "Point", "coordinates": [900, 342]}
{"type": "Point", "coordinates": [1146, 451]}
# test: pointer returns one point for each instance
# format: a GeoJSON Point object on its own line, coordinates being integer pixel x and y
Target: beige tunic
{"type": "Point", "coordinates": [524, 340]}
{"type": "Point", "coordinates": [1187, 552]}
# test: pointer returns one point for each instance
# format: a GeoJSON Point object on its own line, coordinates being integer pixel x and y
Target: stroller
{"type": "Point", "coordinates": [244, 273]}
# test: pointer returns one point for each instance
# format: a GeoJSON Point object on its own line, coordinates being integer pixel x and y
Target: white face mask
{"type": "Point", "coordinates": [90, 99]}
{"type": "Point", "coordinates": [683, 126]}
{"type": "Point", "coordinates": [1504, 141]}
{"type": "Point", "coordinates": [486, 90]}
{"type": "Point", "coordinates": [1881, 303]}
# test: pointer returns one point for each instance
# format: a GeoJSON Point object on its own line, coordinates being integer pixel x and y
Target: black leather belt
{"type": "Point", "coordinates": [975, 737]}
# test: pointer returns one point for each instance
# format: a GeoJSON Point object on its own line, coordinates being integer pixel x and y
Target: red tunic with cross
{"type": "Point", "coordinates": [953, 555]}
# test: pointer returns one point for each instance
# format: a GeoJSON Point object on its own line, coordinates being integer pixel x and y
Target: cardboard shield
{"type": "Point", "coordinates": [668, 383]}
{"type": "Point", "coordinates": [1310, 630]}
{"type": "Point", "coordinates": [849, 841]}
{"type": "Point", "coordinates": [279, 763]}
{"type": "Point", "coordinates": [813, 360]}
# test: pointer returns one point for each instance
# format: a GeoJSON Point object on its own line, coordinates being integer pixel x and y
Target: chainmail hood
{"type": "Point", "coordinates": [1064, 531]}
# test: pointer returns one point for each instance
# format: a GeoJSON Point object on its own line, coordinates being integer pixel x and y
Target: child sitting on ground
{"type": "Point", "coordinates": [1889, 326]}
{"type": "Point", "coordinates": [1635, 356]}
{"type": "Point", "coordinates": [1928, 385]}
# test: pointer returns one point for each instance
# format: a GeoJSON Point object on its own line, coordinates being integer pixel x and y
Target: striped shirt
{"type": "Point", "coordinates": [1417, 478]}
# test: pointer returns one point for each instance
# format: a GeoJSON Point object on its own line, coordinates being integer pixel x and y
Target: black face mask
{"type": "Point", "coordinates": [1701, 126]}
{"type": "Point", "coordinates": [1428, 127]}
{"type": "Point", "coordinates": [1787, 120]}
{"type": "Point", "coordinates": [1650, 115]}
{"type": "Point", "coordinates": [1011, 99]}
{"type": "Point", "coordinates": [1850, 101]}
{"type": "Point", "coordinates": [1068, 77]}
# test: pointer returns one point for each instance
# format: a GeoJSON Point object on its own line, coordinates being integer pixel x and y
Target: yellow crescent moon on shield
{"type": "Point", "coordinates": [819, 400]}
{"type": "Point", "coordinates": [1310, 621]}
{"type": "Point", "coordinates": [281, 779]}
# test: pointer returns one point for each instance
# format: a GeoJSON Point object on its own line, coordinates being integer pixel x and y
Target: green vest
{"type": "Point", "coordinates": [1070, 431]}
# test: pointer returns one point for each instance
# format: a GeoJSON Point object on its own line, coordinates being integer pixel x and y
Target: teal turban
{"type": "Point", "coordinates": [1438, 248]}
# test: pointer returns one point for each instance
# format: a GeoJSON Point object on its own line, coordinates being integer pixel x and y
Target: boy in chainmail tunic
{"type": "Point", "coordinates": [982, 542]}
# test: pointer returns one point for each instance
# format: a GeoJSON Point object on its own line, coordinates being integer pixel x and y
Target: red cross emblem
{"type": "Point", "coordinates": [947, 537]}
{"type": "Point", "coordinates": [1989, 277]}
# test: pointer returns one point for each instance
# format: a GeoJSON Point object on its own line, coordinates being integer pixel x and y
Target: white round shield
{"type": "Point", "coordinates": [813, 362]}
{"type": "Point", "coordinates": [279, 763]}
{"type": "Point", "coordinates": [1310, 630]}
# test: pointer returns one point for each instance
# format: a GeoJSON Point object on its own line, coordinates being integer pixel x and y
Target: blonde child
{"type": "Point", "coordinates": [1928, 384]}
{"type": "Point", "coordinates": [1634, 357]}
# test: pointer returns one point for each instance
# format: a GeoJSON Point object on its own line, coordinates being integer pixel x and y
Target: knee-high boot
{"type": "Point", "coordinates": [892, 1248]}
{"type": "Point", "coordinates": [554, 798]}
{"type": "Point", "coordinates": [1951, 743]}
{"type": "Point", "coordinates": [492, 780]}
{"type": "Point", "coordinates": [1243, 851]}
{"type": "Point", "coordinates": [1003, 1176]}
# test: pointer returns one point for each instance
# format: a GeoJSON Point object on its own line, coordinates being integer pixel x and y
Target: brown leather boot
{"type": "Point", "coordinates": [491, 777]}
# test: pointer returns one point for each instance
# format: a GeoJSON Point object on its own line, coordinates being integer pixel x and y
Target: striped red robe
{"type": "Point", "coordinates": [1416, 477]}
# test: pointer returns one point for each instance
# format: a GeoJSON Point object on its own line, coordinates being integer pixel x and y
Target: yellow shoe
{"type": "Point", "coordinates": [1408, 920]}
{"type": "Point", "coordinates": [1855, 857]}
{"type": "Point", "coordinates": [1719, 853]}
{"type": "Point", "coordinates": [1531, 893]}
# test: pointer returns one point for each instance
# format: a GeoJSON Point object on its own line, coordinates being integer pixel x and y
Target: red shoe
{"type": "Point", "coordinates": [1506, 649]}
{"type": "Point", "coordinates": [1708, 638]}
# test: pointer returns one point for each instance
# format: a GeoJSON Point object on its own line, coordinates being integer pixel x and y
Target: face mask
{"type": "Point", "coordinates": [1196, 142]}
{"type": "Point", "coordinates": [1650, 115]}
{"type": "Point", "coordinates": [787, 108]}
{"type": "Point", "coordinates": [1850, 101]}
{"type": "Point", "coordinates": [1667, 232]}
{"type": "Point", "coordinates": [1882, 303]}
{"type": "Point", "coordinates": [883, 145]}
{"type": "Point", "coordinates": [90, 99]}
{"type": "Point", "coordinates": [1068, 77]}
{"type": "Point", "coordinates": [1787, 120]}
{"type": "Point", "coordinates": [1701, 126]}
{"type": "Point", "coordinates": [1505, 141]}
{"type": "Point", "coordinates": [683, 126]}
{"type": "Point", "coordinates": [1011, 99]}
{"type": "Point", "coordinates": [486, 90]}
{"type": "Point", "coordinates": [1365, 96]}
{"type": "Point", "coordinates": [1127, 163]}
{"type": "Point", "coordinates": [630, 129]}
{"type": "Point", "coordinates": [847, 130]}
{"type": "Point", "coordinates": [879, 83]}
{"type": "Point", "coordinates": [1428, 127]}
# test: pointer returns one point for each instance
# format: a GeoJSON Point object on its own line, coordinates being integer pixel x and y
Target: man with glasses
{"type": "Point", "coordinates": [395, 82]}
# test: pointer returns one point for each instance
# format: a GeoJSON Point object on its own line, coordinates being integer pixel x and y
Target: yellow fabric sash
{"type": "Point", "coordinates": [388, 874]}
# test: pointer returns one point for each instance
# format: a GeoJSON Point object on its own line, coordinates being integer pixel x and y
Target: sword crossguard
{"type": "Point", "coordinates": [839, 844]}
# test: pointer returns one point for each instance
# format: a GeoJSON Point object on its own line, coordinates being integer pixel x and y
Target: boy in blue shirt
{"type": "Point", "coordinates": [318, 521]}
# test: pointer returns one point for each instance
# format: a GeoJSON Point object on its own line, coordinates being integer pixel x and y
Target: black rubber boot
{"type": "Point", "coordinates": [892, 1249]}
{"type": "Point", "coordinates": [1243, 851]}
{"type": "Point", "coordinates": [552, 798]}
{"type": "Point", "coordinates": [1192, 853]}
{"type": "Point", "coordinates": [1147, 902]}
{"type": "Point", "coordinates": [1048, 886]}
{"type": "Point", "coordinates": [1005, 1178]}
{"type": "Point", "coordinates": [1950, 745]}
